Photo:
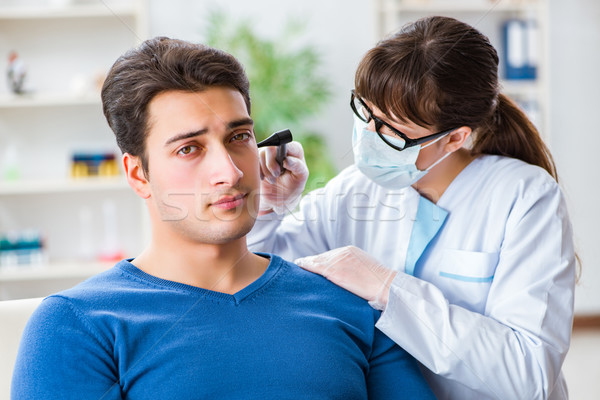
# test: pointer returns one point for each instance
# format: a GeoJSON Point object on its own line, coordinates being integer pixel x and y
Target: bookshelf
{"type": "Point", "coordinates": [66, 47]}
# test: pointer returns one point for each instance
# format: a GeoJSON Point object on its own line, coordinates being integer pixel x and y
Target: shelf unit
{"type": "Point", "coordinates": [11, 101]}
{"type": "Point", "coordinates": [488, 17]}
{"type": "Point", "coordinates": [38, 281]}
{"type": "Point", "coordinates": [66, 49]}
{"type": "Point", "coordinates": [74, 9]}
{"type": "Point", "coordinates": [56, 270]}
{"type": "Point", "coordinates": [73, 186]}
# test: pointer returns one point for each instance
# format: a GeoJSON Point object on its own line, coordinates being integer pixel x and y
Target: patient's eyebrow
{"type": "Point", "coordinates": [187, 135]}
{"type": "Point", "coordinates": [240, 122]}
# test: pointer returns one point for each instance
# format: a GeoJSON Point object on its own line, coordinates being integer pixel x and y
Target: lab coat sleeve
{"type": "Point", "coordinates": [305, 232]}
{"type": "Point", "coordinates": [516, 348]}
{"type": "Point", "coordinates": [60, 357]}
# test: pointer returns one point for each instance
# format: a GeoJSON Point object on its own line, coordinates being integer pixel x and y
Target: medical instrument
{"type": "Point", "coordinates": [278, 139]}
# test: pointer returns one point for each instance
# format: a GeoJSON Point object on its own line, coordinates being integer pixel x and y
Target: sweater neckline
{"type": "Point", "coordinates": [274, 266]}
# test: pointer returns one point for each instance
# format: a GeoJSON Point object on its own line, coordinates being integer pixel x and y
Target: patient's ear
{"type": "Point", "coordinates": [136, 177]}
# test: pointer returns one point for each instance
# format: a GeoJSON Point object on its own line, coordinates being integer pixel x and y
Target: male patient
{"type": "Point", "coordinates": [196, 315]}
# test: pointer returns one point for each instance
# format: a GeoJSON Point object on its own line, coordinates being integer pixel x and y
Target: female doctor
{"type": "Point", "coordinates": [451, 220]}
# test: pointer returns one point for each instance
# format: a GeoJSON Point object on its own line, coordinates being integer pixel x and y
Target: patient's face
{"type": "Point", "coordinates": [203, 164]}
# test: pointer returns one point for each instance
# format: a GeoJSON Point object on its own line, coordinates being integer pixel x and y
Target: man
{"type": "Point", "coordinates": [196, 315]}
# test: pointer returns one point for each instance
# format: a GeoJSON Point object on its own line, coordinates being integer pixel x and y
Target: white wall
{"type": "Point", "coordinates": [575, 141]}
{"type": "Point", "coordinates": [344, 30]}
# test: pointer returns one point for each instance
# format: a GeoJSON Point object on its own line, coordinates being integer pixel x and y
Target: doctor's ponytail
{"type": "Point", "coordinates": [441, 73]}
{"type": "Point", "coordinates": [509, 132]}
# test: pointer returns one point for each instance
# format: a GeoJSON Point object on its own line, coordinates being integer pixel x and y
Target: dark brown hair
{"type": "Point", "coordinates": [441, 73]}
{"type": "Point", "coordinates": [158, 65]}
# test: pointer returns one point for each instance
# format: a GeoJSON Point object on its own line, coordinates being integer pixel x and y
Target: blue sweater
{"type": "Point", "coordinates": [288, 335]}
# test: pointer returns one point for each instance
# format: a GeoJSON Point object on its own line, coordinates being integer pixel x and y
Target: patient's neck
{"type": "Point", "coordinates": [225, 268]}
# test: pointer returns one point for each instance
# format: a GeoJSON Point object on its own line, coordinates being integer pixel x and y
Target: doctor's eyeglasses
{"type": "Point", "coordinates": [364, 113]}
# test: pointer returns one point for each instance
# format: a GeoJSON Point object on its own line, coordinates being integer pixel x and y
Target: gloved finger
{"type": "Point", "coordinates": [265, 174]}
{"type": "Point", "coordinates": [347, 260]}
{"type": "Point", "coordinates": [354, 270]}
{"type": "Point", "coordinates": [319, 263]}
{"type": "Point", "coordinates": [340, 272]}
{"type": "Point", "coordinates": [294, 149]}
{"type": "Point", "coordinates": [297, 167]}
{"type": "Point", "coordinates": [265, 170]}
{"type": "Point", "coordinates": [330, 255]}
{"type": "Point", "coordinates": [312, 264]}
{"type": "Point", "coordinates": [271, 163]}
{"type": "Point", "coordinates": [358, 258]}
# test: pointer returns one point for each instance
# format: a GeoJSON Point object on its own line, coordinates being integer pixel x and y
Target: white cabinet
{"type": "Point", "coordinates": [489, 17]}
{"type": "Point", "coordinates": [67, 48]}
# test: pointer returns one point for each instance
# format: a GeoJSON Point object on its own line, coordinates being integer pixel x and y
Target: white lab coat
{"type": "Point", "coordinates": [489, 309]}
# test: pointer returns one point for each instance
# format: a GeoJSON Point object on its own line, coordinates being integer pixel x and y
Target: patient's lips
{"type": "Point", "coordinates": [229, 202]}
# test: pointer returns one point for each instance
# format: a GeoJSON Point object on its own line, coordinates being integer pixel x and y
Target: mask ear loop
{"type": "Point", "coordinates": [430, 143]}
{"type": "Point", "coordinates": [441, 158]}
{"type": "Point", "coordinates": [438, 161]}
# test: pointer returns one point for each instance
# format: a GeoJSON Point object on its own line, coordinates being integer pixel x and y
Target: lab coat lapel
{"type": "Point", "coordinates": [428, 222]}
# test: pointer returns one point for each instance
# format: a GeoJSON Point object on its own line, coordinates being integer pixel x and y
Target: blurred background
{"type": "Point", "coordinates": [65, 210]}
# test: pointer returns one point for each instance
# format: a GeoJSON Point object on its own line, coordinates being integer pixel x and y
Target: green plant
{"type": "Point", "coordinates": [285, 85]}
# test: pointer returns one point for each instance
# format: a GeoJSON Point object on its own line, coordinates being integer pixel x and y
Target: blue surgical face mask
{"type": "Point", "coordinates": [384, 165]}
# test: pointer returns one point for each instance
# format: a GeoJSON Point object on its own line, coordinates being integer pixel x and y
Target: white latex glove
{"type": "Point", "coordinates": [280, 191]}
{"type": "Point", "coordinates": [354, 270]}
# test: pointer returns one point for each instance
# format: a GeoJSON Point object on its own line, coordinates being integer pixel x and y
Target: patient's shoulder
{"type": "Point", "coordinates": [317, 289]}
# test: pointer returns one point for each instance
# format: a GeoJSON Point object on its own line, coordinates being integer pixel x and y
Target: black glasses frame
{"type": "Point", "coordinates": [379, 123]}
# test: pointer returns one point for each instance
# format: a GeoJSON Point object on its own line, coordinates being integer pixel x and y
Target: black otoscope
{"type": "Point", "coordinates": [278, 139]}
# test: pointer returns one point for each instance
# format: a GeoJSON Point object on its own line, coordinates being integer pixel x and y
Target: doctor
{"type": "Point", "coordinates": [451, 219]}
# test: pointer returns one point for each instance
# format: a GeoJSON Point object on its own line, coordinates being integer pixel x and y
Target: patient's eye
{"type": "Point", "coordinates": [186, 150]}
{"type": "Point", "coordinates": [240, 137]}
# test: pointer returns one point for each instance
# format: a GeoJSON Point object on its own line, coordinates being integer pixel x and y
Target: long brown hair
{"type": "Point", "coordinates": [441, 73]}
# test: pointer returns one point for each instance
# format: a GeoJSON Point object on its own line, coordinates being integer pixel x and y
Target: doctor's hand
{"type": "Point", "coordinates": [281, 190]}
{"type": "Point", "coordinates": [354, 270]}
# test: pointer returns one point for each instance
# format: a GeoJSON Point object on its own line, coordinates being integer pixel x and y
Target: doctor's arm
{"type": "Point", "coordinates": [517, 347]}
